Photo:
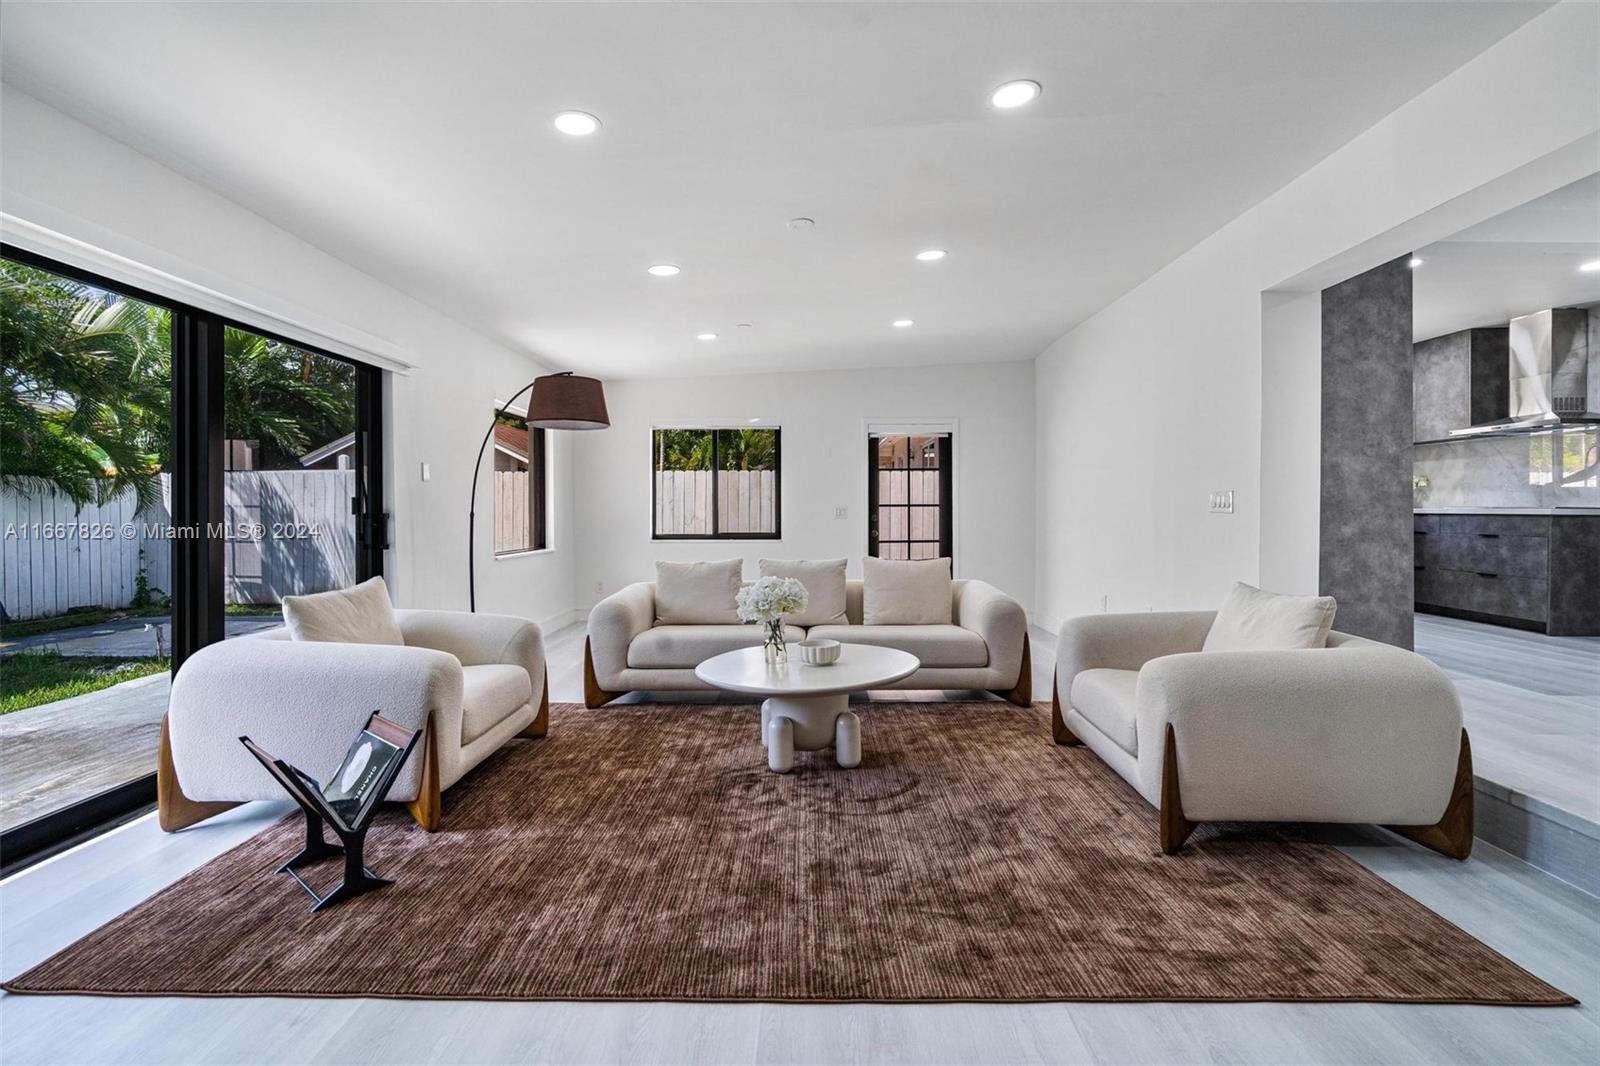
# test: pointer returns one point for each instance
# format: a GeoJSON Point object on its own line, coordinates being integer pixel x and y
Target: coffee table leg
{"type": "Point", "coordinates": [780, 745]}
{"type": "Point", "coordinates": [847, 740]}
{"type": "Point", "coordinates": [766, 719]}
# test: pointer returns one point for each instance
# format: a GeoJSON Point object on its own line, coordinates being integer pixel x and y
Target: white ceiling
{"type": "Point", "coordinates": [1524, 260]}
{"type": "Point", "coordinates": [413, 141]}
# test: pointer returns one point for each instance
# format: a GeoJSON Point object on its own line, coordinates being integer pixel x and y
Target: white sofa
{"type": "Point", "coordinates": [472, 681]}
{"type": "Point", "coordinates": [985, 647]}
{"type": "Point", "coordinates": [1352, 732]}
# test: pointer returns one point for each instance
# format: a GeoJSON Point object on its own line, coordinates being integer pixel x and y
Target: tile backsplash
{"type": "Point", "coordinates": [1559, 469]}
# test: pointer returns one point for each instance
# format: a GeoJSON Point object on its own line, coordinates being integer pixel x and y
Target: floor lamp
{"type": "Point", "coordinates": [559, 401]}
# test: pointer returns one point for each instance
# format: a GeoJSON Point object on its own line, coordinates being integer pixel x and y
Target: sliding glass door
{"type": "Point", "coordinates": [85, 480]}
{"type": "Point", "coordinates": [166, 477]}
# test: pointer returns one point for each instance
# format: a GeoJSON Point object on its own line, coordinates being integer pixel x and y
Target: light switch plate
{"type": "Point", "coordinates": [1222, 502]}
{"type": "Point", "coordinates": [427, 472]}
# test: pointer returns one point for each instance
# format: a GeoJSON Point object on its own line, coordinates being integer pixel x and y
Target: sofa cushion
{"type": "Point", "coordinates": [489, 694]}
{"type": "Point", "coordinates": [898, 592]}
{"type": "Point", "coordinates": [686, 647]}
{"type": "Point", "coordinates": [1253, 620]}
{"type": "Point", "coordinates": [361, 614]}
{"type": "Point", "coordinates": [690, 594]}
{"type": "Point", "coordinates": [937, 646]}
{"type": "Point", "coordinates": [1107, 699]}
{"type": "Point", "coordinates": [824, 582]}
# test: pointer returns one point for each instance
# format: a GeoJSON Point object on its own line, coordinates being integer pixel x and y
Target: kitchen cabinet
{"type": "Point", "coordinates": [1461, 379]}
{"type": "Point", "coordinates": [1534, 571]}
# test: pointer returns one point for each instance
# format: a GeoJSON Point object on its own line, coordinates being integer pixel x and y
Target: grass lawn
{"type": "Point", "coordinates": [33, 678]}
{"type": "Point", "coordinates": [34, 626]}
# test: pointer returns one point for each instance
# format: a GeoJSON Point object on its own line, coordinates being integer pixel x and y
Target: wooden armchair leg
{"type": "Point", "coordinates": [174, 810]}
{"type": "Point", "coordinates": [1058, 726]}
{"type": "Point", "coordinates": [593, 694]}
{"type": "Point", "coordinates": [541, 721]}
{"type": "Point", "coordinates": [1175, 828]}
{"type": "Point", "coordinates": [1021, 693]}
{"type": "Point", "coordinates": [428, 806]}
{"type": "Point", "coordinates": [1451, 835]}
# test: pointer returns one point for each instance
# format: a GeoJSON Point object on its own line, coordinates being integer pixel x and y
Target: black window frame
{"type": "Point", "coordinates": [538, 511]}
{"type": "Point", "coordinates": [716, 506]}
{"type": "Point", "coordinates": [947, 499]}
{"type": "Point", "coordinates": [198, 611]}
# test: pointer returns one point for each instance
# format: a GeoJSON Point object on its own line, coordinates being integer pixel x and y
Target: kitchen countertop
{"type": "Point", "coordinates": [1508, 510]}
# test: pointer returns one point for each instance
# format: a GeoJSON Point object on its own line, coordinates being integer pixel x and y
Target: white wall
{"type": "Point", "coordinates": [66, 177]}
{"type": "Point", "coordinates": [1158, 399]}
{"type": "Point", "coordinates": [823, 417]}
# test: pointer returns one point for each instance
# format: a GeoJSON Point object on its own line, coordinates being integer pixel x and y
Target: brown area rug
{"type": "Point", "coordinates": [645, 852]}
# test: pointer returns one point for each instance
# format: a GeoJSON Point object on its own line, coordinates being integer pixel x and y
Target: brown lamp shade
{"type": "Point", "coordinates": [567, 401]}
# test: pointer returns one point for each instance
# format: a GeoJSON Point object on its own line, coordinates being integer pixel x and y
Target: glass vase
{"type": "Point", "coordinates": [777, 651]}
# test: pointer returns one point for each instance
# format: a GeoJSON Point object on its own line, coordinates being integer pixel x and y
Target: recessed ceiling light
{"type": "Point", "coordinates": [1590, 267]}
{"type": "Point", "coordinates": [663, 270]}
{"type": "Point", "coordinates": [801, 223]}
{"type": "Point", "coordinates": [1416, 261]}
{"type": "Point", "coordinates": [932, 255]}
{"type": "Point", "coordinates": [1015, 94]}
{"type": "Point", "coordinates": [576, 123]}
{"type": "Point", "coordinates": [902, 323]}
{"type": "Point", "coordinates": [744, 325]}
{"type": "Point", "coordinates": [705, 336]}
{"type": "Point", "coordinates": [752, 421]}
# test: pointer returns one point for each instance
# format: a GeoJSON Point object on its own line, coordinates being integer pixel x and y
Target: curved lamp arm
{"type": "Point", "coordinates": [472, 507]}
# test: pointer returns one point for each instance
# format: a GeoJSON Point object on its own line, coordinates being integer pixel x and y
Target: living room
{"type": "Point", "coordinates": [936, 582]}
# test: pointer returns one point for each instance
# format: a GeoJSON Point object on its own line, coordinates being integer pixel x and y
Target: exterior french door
{"type": "Point", "coordinates": [909, 512]}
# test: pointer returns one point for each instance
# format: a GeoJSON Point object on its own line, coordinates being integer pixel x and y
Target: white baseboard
{"type": "Point", "coordinates": [562, 619]}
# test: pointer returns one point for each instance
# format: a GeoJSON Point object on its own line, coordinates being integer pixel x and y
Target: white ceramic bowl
{"type": "Point", "coordinates": [819, 652]}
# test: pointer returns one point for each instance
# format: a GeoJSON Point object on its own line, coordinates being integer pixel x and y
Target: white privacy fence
{"type": "Point", "coordinates": [288, 532]}
{"type": "Point", "coordinates": [746, 499]}
{"type": "Point", "coordinates": [513, 515]}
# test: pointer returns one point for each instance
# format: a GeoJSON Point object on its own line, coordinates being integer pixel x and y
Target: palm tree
{"type": "Point", "coordinates": [85, 404]}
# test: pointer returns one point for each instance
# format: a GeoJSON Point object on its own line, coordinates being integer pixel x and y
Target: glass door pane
{"type": "Point", "coordinates": [909, 497]}
{"type": "Point", "coordinates": [290, 483]}
{"type": "Point", "coordinates": [85, 564]}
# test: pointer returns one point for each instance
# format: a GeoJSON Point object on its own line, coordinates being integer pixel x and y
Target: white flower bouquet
{"type": "Point", "coordinates": [767, 601]}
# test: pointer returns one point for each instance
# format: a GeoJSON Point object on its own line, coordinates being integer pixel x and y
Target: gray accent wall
{"type": "Point", "coordinates": [1365, 553]}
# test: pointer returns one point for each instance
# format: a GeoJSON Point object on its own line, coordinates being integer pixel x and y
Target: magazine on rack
{"type": "Point", "coordinates": [352, 794]}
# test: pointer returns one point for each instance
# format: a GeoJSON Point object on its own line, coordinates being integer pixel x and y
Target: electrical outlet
{"type": "Point", "coordinates": [599, 587]}
{"type": "Point", "coordinates": [1104, 603]}
{"type": "Point", "coordinates": [841, 512]}
{"type": "Point", "coordinates": [1222, 502]}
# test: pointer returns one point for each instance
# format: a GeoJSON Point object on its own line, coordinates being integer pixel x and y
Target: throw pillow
{"type": "Point", "coordinates": [359, 615]}
{"type": "Point", "coordinates": [1253, 620]}
{"type": "Point", "coordinates": [824, 582]}
{"type": "Point", "coordinates": [689, 594]}
{"type": "Point", "coordinates": [899, 592]}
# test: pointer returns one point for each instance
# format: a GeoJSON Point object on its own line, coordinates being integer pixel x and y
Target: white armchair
{"type": "Point", "coordinates": [1353, 732]}
{"type": "Point", "coordinates": [471, 681]}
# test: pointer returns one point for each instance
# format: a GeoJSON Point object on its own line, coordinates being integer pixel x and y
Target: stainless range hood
{"type": "Point", "coordinates": [1549, 376]}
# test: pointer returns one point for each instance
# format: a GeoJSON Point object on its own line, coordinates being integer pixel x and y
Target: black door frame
{"type": "Point", "coordinates": [198, 564]}
{"type": "Point", "coordinates": [946, 439]}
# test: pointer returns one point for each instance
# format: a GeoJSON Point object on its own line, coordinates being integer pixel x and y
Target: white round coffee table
{"type": "Point", "coordinates": [808, 707]}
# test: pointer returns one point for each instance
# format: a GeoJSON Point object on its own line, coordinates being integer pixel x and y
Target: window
{"type": "Point", "coordinates": [909, 513]}
{"type": "Point", "coordinates": [136, 433]}
{"type": "Point", "coordinates": [716, 483]}
{"type": "Point", "coordinates": [519, 520]}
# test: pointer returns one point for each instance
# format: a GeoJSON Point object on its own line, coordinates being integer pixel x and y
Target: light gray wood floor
{"type": "Point", "coordinates": [1547, 926]}
{"type": "Point", "coordinates": [1532, 707]}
